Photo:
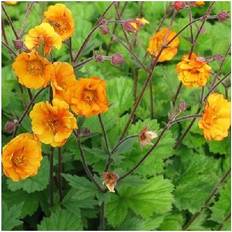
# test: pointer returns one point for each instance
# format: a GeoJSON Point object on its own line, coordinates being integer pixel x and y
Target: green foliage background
{"type": "Point", "coordinates": [171, 185]}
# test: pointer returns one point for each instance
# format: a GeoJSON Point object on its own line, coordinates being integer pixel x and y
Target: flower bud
{"type": "Point", "coordinates": [117, 59]}
{"type": "Point", "coordinates": [110, 180]}
{"type": "Point", "coordinates": [133, 25]}
{"type": "Point", "coordinates": [178, 5]}
{"type": "Point", "coordinates": [99, 58]}
{"type": "Point", "coordinates": [218, 57]}
{"type": "Point", "coordinates": [145, 137]}
{"type": "Point", "coordinates": [10, 126]}
{"type": "Point", "coordinates": [18, 44]}
{"type": "Point", "coordinates": [182, 106]}
{"type": "Point", "coordinates": [104, 29]}
{"type": "Point", "coordinates": [222, 16]}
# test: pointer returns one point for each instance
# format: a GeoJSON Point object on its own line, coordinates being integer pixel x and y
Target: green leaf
{"type": "Point", "coordinates": [154, 164]}
{"type": "Point", "coordinates": [195, 178]}
{"type": "Point", "coordinates": [61, 220]}
{"type": "Point", "coordinates": [11, 216]}
{"type": "Point", "coordinates": [220, 147]}
{"type": "Point", "coordinates": [172, 221]}
{"type": "Point", "coordinates": [153, 196]}
{"type": "Point", "coordinates": [81, 195]}
{"type": "Point", "coordinates": [35, 183]}
{"type": "Point", "coordinates": [30, 202]}
{"type": "Point", "coordinates": [120, 95]}
{"type": "Point", "coordinates": [221, 207]}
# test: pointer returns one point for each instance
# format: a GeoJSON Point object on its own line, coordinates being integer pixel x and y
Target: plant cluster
{"type": "Point", "coordinates": [112, 124]}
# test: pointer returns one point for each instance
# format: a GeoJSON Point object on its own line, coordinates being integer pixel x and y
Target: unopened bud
{"type": "Point", "coordinates": [117, 59]}
{"type": "Point", "coordinates": [182, 106]}
{"type": "Point", "coordinates": [10, 126]}
{"type": "Point", "coordinates": [104, 29]}
{"type": "Point", "coordinates": [222, 16]}
{"type": "Point", "coordinates": [178, 5]}
{"type": "Point", "coordinates": [218, 57]}
{"type": "Point", "coordinates": [18, 44]}
{"type": "Point", "coordinates": [110, 180]}
{"type": "Point", "coordinates": [99, 58]}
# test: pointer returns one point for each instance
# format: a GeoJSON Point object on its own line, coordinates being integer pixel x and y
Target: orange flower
{"type": "Point", "coordinates": [88, 97]}
{"type": "Point", "coordinates": [135, 24]}
{"type": "Point", "coordinates": [60, 17]}
{"type": "Point", "coordinates": [11, 2]}
{"type": "Point", "coordinates": [194, 71]}
{"type": "Point", "coordinates": [199, 3]}
{"type": "Point", "coordinates": [21, 157]}
{"type": "Point", "coordinates": [43, 36]}
{"type": "Point", "coordinates": [32, 70]}
{"type": "Point", "coordinates": [110, 180]}
{"type": "Point", "coordinates": [215, 121]}
{"type": "Point", "coordinates": [160, 39]}
{"type": "Point", "coordinates": [63, 79]}
{"type": "Point", "coordinates": [146, 136]}
{"type": "Point", "coordinates": [53, 124]}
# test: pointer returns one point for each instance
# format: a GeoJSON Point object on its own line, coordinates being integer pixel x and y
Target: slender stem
{"type": "Point", "coordinates": [12, 52]}
{"type": "Point", "coordinates": [60, 172]}
{"type": "Point", "coordinates": [145, 156]}
{"type": "Point", "coordinates": [179, 141]}
{"type": "Point", "coordinates": [104, 136]}
{"type": "Point", "coordinates": [4, 33]}
{"type": "Point", "coordinates": [215, 86]}
{"type": "Point", "coordinates": [186, 118]}
{"type": "Point", "coordinates": [151, 100]}
{"type": "Point", "coordinates": [90, 34]}
{"type": "Point", "coordinates": [200, 29]}
{"type": "Point", "coordinates": [29, 94]}
{"type": "Point", "coordinates": [208, 200]}
{"type": "Point", "coordinates": [51, 176]}
{"type": "Point", "coordinates": [177, 93]}
{"type": "Point", "coordinates": [27, 110]}
{"type": "Point", "coordinates": [79, 65]}
{"type": "Point", "coordinates": [224, 220]}
{"type": "Point", "coordinates": [10, 22]}
{"type": "Point", "coordinates": [122, 141]}
{"type": "Point", "coordinates": [85, 166]}
{"type": "Point", "coordinates": [114, 29]}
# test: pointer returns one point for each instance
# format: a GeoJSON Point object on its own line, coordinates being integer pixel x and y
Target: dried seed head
{"type": "Point", "coordinates": [110, 180]}
{"type": "Point", "coordinates": [117, 59]}
{"type": "Point", "coordinates": [146, 136]}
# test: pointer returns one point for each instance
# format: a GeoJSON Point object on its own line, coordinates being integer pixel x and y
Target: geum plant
{"type": "Point", "coordinates": [124, 167]}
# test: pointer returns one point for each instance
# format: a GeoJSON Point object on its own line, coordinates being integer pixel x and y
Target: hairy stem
{"type": "Point", "coordinates": [85, 166]}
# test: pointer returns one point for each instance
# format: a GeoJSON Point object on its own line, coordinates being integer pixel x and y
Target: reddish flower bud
{"type": "Point", "coordinates": [178, 5]}
{"type": "Point", "coordinates": [99, 58]}
{"type": "Point", "coordinates": [182, 106]}
{"type": "Point", "coordinates": [104, 29]}
{"type": "Point", "coordinates": [117, 59]}
{"type": "Point", "coordinates": [18, 44]}
{"type": "Point", "coordinates": [218, 57]}
{"type": "Point", "coordinates": [10, 126]}
{"type": "Point", "coordinates": [222, 16]}
{"type": "Point", "coordinates": [110, 180]}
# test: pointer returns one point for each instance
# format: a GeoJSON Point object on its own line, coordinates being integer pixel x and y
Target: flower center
{"type": "Point", "coordinates": [88, 96]}
{"type": "Point", "coordinates": [209, 116]}
{"type": "Point", "coordinates": [60, 26]}
{"type": "Point", "coordinates": [53, 123]}
{"type": "Point", "coordinates": [35, 67]}
{"type": "Point", "coordinates": [18, 158]}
